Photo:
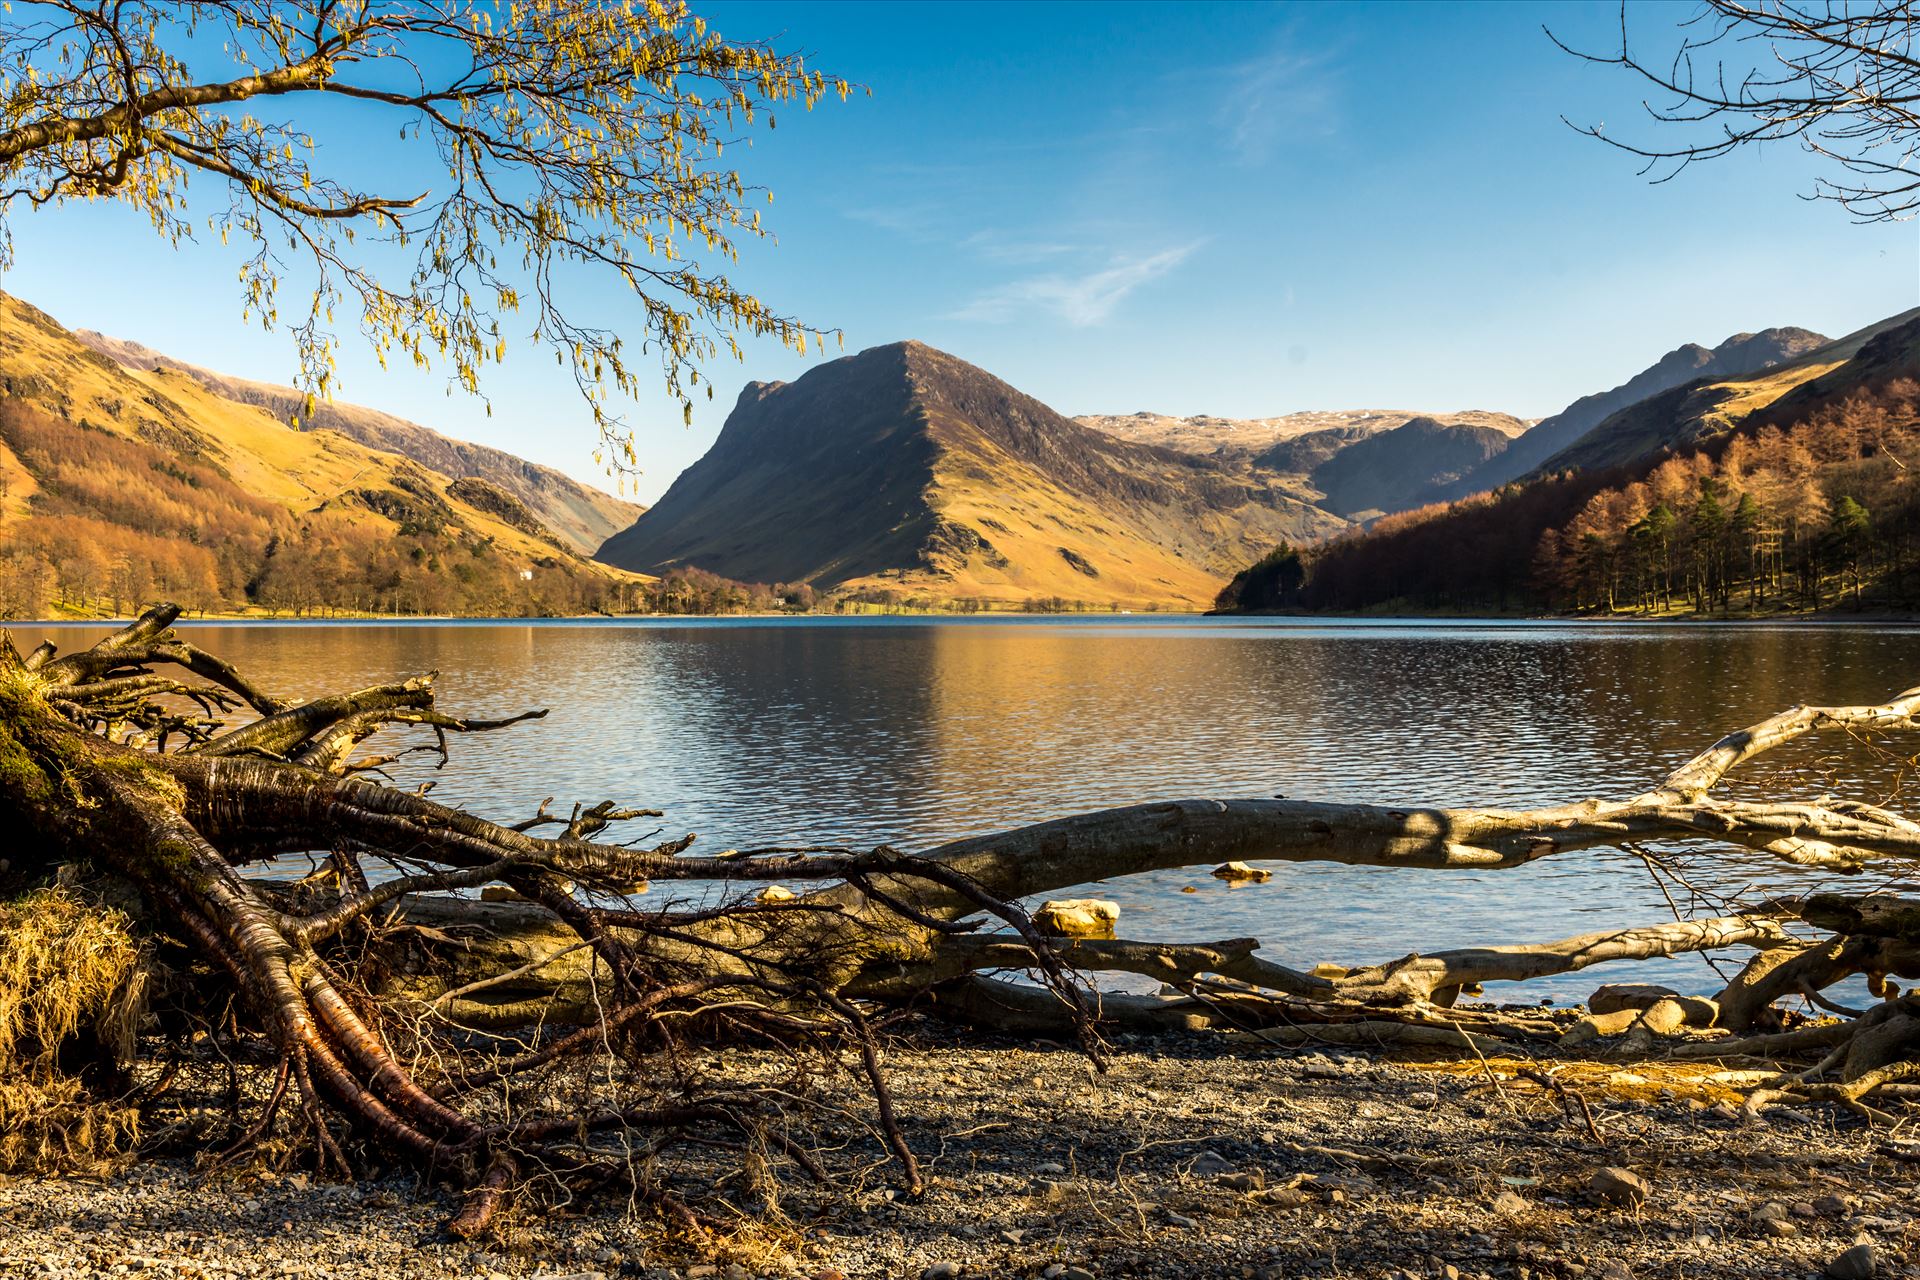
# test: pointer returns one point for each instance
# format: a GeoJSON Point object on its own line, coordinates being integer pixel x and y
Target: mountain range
{"type": "Point", "coordinates": [902, 472]}
{"type": "Point", "coordinates": [907, 470]}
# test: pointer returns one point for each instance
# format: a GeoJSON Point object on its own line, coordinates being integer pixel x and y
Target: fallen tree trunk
{"type": "Point", "coordinates": [393, 1001]}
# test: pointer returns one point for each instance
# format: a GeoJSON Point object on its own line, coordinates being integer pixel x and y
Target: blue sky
{"type": "Point", "coordinates": [1236, 209]}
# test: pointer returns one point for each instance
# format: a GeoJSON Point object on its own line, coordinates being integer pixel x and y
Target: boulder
{"type": "Point", "coordinates": [1616, 996]}
{"type": "Point", "coordinates": [1619, 1186]}
{"type": "Point", "coordinates": [1241, 873]}
{"type": "Point", "coordinates": [1862, 1262]}
{"type": "Point", "coordinates": [1077, 918]}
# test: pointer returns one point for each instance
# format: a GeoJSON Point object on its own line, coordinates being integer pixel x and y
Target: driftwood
{"type": "Point", "coordinates": [395, 1005]}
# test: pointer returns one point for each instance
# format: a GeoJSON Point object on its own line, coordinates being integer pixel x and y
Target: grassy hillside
{"type": "Point", "coordinates": [905, 470]}
{"type": "Point", "coordinates": [582, 515]}
{"type": "Point", "coordinates": [117, 486]}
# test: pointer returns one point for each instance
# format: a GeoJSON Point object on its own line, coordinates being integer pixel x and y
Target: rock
{"type": "Point", "coordinates": [1077, 918]}
{"type": "Point", "coordinates": [1618, 1271]}
{"type": "Point", "coordinates": [1619, 1186]}
{"type": "Point", "coordinates": [1775, 1219]}
{"type": "Point", "coordinates": [1181, 1220]}
{"type": "Point", "coordinates": [1862, 1262]}
{"type": "Point", "coordinates": [1834, 1206]}
{"type": "Point", "coordinates": [1249, 1180]}
{"type": "Point", "coordinates": [1075, 1273]}
{"type": "Point", "coordinates": [941, 1271]}
{"type": "Point", "coordinates": [1241, 873]}
{"type": "Point", "coordinates": [1286, 1197]}
{"type": "Point", "coordinates": [1616, 996]}
{"type": "Point", "coordinates": [1050, 1192]}
{"type": "Point", "coordinates": [777, 893]}
{"type": "Point", "coordinates": [1509, 1204]}
{"type": "Point", "coordinates": [1050, 1169]}
{"type": "Point", "coordinates": [1209, 1163]}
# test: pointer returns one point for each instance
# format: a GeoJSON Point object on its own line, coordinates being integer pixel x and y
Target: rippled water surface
{"type": "Point", "coordinates": [914, 731]}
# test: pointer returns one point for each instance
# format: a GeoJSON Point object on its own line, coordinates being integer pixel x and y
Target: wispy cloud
{"type": "Point", "coordinates": [995, 245]}
{"type": "Point", "coordinates": [1284, 94]}
{"type": "Point", "coordinates": [1080, 300]}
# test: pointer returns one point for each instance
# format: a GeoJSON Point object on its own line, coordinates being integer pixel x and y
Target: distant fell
{"type": "Point", "coordinates": [907, 468]}
{"type": "Point", "coordinates": [1208, 434]}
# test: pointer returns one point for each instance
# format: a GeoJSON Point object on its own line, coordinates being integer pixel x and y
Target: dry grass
{"type": "Point", "coordinates": [67, 970]}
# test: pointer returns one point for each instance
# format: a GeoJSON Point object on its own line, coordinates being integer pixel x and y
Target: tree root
{"type": "Point", "coordinates": [396, 1015]}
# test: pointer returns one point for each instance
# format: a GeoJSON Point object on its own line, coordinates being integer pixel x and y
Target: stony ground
{"type": "Point", "coordinates": [1181, 1161]}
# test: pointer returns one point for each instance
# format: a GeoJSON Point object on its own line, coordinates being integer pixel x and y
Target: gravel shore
{"type": "Point", "coordinates": [1186, 1159]}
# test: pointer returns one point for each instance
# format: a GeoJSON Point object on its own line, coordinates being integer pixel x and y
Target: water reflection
{"type": "Point", "coordinates": [910, 732]}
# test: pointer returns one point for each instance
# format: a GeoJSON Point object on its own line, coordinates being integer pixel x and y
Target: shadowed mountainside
{"type": "Point", "coordinates": [906, 467]}
{"type": "Point", "coordinates": [1404, 467]}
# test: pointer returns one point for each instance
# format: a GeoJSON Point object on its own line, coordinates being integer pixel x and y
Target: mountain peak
{"type": "Point", "coordinates": [904, 467]}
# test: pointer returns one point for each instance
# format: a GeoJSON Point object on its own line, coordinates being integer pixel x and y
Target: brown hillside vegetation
{"type": "Point", "coordinates": [116, 485]}
{"type": "Point", "coordinates": [1808, 501]}
{"type": "Point", "coordinates": [906, 470]}
{"type": "Point", "coordinates": [583, 516]}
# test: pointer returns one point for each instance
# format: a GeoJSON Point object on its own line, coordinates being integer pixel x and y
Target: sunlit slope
{"type": "Point", "coordinates": [190, 467]}
{"type": "Point", "coordinates": [1207, 434]}
{"type": "Point", "coordinates": [1741, 355]}
{"type": "Point", "coordinates": [582, 515]}
{"type": "Point", "coordinates": [1697, 412]}
{"type": "Point", "coordinates": [908, 469]}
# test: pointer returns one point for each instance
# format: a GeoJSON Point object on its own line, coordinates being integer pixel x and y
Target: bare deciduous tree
{"type": "Point", "coordinates": [1839, 78]}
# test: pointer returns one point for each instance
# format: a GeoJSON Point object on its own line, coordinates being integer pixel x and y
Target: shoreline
{"type": "Point", "coordinates": [1189, 1158]}
{"type": "Point", "coordinates": [1821, 619]}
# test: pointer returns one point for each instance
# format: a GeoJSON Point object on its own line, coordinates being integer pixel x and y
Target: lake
{"type": "Point", "coordinates": [911, 731]}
